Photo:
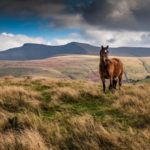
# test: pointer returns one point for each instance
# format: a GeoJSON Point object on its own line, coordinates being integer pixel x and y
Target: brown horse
{"type": "Point", "coordinates": [111, 69]}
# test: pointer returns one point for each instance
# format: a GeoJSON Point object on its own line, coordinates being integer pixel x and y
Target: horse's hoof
{"type": "Point", "coordinates": [112, 90]}
{"type": "Point", "coordinates": [104, 92]}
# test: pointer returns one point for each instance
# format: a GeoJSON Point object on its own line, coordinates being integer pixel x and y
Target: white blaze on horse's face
{"type": "Point", "coordinates": [104, 52]}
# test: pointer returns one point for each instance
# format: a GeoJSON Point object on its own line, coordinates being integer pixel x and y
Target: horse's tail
{"type": "Point", "coordinates": [126, 76]}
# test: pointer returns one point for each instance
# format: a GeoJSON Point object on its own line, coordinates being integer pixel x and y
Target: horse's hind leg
{"type": "Point", "coordinates": [120, 81]}
{"type": "Point", "coordinates": [114, 83]}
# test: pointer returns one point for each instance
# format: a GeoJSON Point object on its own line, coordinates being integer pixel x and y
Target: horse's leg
{"type": "Point", "coordinates": [104, 86]}
{"type": "Point", "coordinates": [111, 83]}
{"type": "Point", "coordinates": [114, 83]}
{"type": "Point", "coordinates": [120, 81]}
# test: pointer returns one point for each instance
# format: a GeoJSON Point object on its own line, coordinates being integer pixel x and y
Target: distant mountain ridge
{"type": "Point", "coordinates": [38, 51]}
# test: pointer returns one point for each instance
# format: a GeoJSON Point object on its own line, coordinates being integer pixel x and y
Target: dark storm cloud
{"type": "Point", "coordinates": [30, 7]}
{"type": "Point", "coordinates": [107, 14]}
{"type": "Point", "coordinates": [40, 7]}
{"type": "Point", "coordinates": [55, 12]}
{"type": "Point", "coordinates": [119, 14]}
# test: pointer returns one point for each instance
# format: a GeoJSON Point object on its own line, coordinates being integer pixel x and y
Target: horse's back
{"type": "Point", "coordinates": [117, 60]}
{"type": "Point", "coordinates": [118, 66]}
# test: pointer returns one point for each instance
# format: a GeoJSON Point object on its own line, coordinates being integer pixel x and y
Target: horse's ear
{"type": "Point", "coordinates": [107, 46]}
{"type": "Point", "coordinates": [102, 46]}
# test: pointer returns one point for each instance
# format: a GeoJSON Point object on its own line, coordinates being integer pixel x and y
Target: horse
{"type": "Point", "coordinates": [111, 69]}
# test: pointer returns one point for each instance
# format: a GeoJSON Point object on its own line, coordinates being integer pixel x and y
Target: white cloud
{"type": "Point", "coordinates": [88, 35]}
{"type": "Point", "coordinates": [9, 40]}
{"type": "Point", "coordinates": [73, 37]}
{"type": "Point", "coordinates": [105, 37]}
{"type": "Point", "coordinates": [116, 38]}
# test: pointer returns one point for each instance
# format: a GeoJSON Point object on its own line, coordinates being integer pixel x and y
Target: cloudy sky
{"type": "Point", "coordinates": [55, 22]}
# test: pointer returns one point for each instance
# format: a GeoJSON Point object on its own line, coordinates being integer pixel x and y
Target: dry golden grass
{"type": "Point", "coordinates": [52, 114]}
{"type": "Point", "coordinates": [135, 99]}
{"type": "Point", "coordinates": [15, 98]}
{"type": "Point", "coordinates": [99, 138]}
{"type": "Point", "coordinates": [28, 139]}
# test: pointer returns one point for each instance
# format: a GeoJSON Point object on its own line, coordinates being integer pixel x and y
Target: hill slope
{"type": "Point", "coordinates": [63, 114]}
{"type": "Point", "coordinates": [37, 51]}
{"type": "Point", "coordinates": [83, 67]}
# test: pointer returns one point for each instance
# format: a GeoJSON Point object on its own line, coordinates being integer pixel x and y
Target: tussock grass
{"type": "Point", "coordinates": [28, 139]}
{"type": "Point", "coordinates": [15, 98]}
{"type": "Point", "coordinates": [42, 113]}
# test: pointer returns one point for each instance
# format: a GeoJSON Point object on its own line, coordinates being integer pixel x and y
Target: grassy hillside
{"type": "Point", "coordinates": [74, 67]}
{"type": "Point", "coordinates": [72, 115]}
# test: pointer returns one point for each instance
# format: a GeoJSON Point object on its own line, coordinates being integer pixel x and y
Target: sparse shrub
{"type": "Point", "coordinates": [8, 78]}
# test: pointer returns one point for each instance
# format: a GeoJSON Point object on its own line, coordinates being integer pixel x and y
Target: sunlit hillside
{"type": "Point", "coordinates": [74, 67]}
{"type": "Point", "coordinates": [53, 114]}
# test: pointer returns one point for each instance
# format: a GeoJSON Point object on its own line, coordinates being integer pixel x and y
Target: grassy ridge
{"type": "Point", "coordinates": [74, 67]}
{"type": "Point", "coordinates": [64, 114]}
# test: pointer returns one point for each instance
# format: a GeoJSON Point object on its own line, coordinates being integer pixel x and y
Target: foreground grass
{"type": "Point", "coordinates": [72, 115]}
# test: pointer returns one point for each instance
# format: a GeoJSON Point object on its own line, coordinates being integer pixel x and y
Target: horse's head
{"type": "Point", "coordinates": [104, 52]}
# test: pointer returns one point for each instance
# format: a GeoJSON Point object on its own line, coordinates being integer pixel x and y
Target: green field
{"type": "Point", "coordinates": [83, 67]}
{"type": "Point", "coordinates": [56, 114]}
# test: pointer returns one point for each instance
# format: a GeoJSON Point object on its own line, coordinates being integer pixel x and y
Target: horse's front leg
{"type": "Point", "coordinates": [104, 86]}
{"type": "Point", "coordinates": [111, 84]}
